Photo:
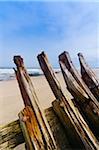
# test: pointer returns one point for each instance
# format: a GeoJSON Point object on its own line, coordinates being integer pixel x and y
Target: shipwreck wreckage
{"type": "Point", "coordinates": [69, 123]}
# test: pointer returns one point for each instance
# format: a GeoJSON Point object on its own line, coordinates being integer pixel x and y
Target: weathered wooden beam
{"type": "Point", "coordinates": [72, 136]}
{"type": "Point", "coordinates": [24, 93]}
{"type": "Point", "coordinates": [30, 99]}
{"type": "Point", "coordinates": [89, 77]}
{"type": "Point", "coordinates": [34, 139]}
{"type": "Point", "coordinates": [11, 136]}
{"type": "Point", "coordinates": [31, 131]}
{"type": "Point", "coordinates": [66, 60]}
{"type": "Point", "coordinates": [58, 130]}
{"type": "Point", "coordinates": [80, 126]}
{"type": "Point", "coordinates": [89, 108]}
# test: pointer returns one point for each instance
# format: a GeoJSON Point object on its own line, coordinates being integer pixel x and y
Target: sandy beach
{"type": "Point", "coordinates": [11, 102]}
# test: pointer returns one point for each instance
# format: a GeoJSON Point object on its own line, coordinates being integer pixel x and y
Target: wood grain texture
{"type": "Point", "coordinates": [30, 99]}
{"type": "Point", "coordinates": [89, 77]}
{"type": "Point", "coordinates": [89, 108]}
{"type": "Point", "coordinates": [11, 136]}
{"type": "Point", "coordinates": [73, 114]}
{"type": "Point", "coordinates": [67, 62]}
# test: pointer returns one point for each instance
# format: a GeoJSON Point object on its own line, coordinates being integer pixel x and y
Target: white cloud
{"type": "Point", "coordinates": [68, 26]}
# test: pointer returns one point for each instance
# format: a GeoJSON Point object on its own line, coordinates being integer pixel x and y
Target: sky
{"type": "Point", "coordinates": [29, 27]}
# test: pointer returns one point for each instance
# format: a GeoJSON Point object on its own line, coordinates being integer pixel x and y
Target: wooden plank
{"type": "Point", "coordinates": [32, 133]}
{"type": "Point", "coordinates": [58, 130]}
{"type": "Point", "coordinates": [72, 136]}
{"type": "Point", "coordinates": [89, 77]}
{"type": "Point", "coordinates": [89, 108]}
{"type": "Point", "coordinates": [73, 114]}
{"type": "Point", "coordinates": [34, 139]}
{"type": "Point", "coordinates": [11, 136]}
{"type": "Point", "coordinates": [66, 60]}
{"type": "Point", "coordinates": [30, 99]}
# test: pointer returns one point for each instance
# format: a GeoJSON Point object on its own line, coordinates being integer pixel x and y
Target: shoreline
{"type": "Point", "coordinates": [11, 102]}
{"type": "Point", "coordinates": [8, 74]}
{"type": "Point", "coordinates": [11, 76]}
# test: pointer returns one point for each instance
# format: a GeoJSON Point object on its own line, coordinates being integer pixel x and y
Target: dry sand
{"type": "Point", "coordinates": [11, 101]}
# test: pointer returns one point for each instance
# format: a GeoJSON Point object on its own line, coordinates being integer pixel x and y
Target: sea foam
{"type": "Point", "coordinates": [8, 73]}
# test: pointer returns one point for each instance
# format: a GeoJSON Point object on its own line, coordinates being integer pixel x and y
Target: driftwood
{"type": "Point", "coordinates": [89, 108]}
{"type": "Point", "coordinates": [76, 120]}
{"type": "Point", "coordinates": [66, 60]}
{"type": "Point", "coordinates": [89, 77]}
{"type": "Point", "coordinates": [30, 99]}
{"type": "Point", "coordinates": [11, 136]}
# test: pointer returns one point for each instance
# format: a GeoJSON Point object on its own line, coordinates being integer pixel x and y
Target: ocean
{"type": "Point", "coordinates": [8, 73]}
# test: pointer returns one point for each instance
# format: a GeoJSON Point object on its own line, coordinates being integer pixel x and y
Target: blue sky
{"type": "Point", "coordinates": [28, 27]}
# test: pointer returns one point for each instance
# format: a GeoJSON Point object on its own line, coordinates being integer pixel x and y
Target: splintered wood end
{"type": "Point", "coordinates": [42, 58]}
{"type": "Point", "coordinates": [42, 54]}
{"type": "Point", "coordinates": [65, 59]}
{"type": "Point", "coordinates": [18, 60]}
{"type": "Point", "coordinates": [62, 56]}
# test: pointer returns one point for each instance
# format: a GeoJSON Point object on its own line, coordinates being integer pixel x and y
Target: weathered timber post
{"type": "Point", "coordinates": [89, 108]}
{"type": "Point", "coordinates": [66, 60]}
{"type": "Point", "coordinates": [89, 77]}
{"type": "Point", "coordinates": [31, 130]}
{"type": "Point", "coordinates": [71, 113]}
{"type": "Point", "coordinates": [30, 99]}
{"type": "Point", "coordinates": [11, 136]}
{"type": "Point", "coordinates": [58, 130]}
{"type": "Point", "coordinates": [28, 123]}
